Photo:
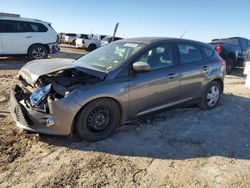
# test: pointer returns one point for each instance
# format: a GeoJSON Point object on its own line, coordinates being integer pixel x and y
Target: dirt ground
{"type": "Point", "coordinates": [184, 147]}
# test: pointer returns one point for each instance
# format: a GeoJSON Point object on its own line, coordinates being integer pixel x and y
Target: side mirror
{"type": "Point", "coordinates": [141, 67]}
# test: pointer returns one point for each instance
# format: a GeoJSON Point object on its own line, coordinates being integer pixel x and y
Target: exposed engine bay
{"type": "Point", "coordinates": [52, 86]}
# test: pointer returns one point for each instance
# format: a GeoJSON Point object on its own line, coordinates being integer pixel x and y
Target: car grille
{"type": "Point", "coordinates": [21, 116]}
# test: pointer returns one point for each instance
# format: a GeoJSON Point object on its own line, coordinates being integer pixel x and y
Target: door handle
{"type": "Point", "coordinates": [28, 37]}
{"type": "Point", "coordinates": [172, 75]}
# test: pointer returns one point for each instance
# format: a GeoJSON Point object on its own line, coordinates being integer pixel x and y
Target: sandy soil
{"type": "Point", "coordinates": [184, 147]}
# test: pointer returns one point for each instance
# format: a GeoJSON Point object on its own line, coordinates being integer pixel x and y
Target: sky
{"type": "Point", "coordinates": [202, 20]}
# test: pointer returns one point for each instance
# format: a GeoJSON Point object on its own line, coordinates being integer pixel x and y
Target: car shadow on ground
{"type": "Point", "coordinates": [12, 63]}
{"type": "Point", "coordinates": [178, 134]}
{"type": "Point", "coordinates": [68, 55]}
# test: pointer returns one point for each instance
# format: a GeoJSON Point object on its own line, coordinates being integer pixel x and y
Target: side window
{"type": "Point", "coordinates": [189, 53]}
{"type": "Point", "coordinates": [244, 43]}
{"type": "Point", "coordinates": [8, 26]}
{"type": "Point", "coordinates": [158, 57]}
{"type": "Point", "coordinates": [37, 27]}
{"type": "Point", "coordinates": [208, 52]}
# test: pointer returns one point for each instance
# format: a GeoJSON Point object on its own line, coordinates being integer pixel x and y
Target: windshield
{"type": "Point", "coordinates": [111, 55]}
{"type": "Point", "coordinates": [233, 41]}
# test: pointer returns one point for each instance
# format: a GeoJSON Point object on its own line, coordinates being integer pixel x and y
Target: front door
{"type": "Point", "coordinates": [157, 88]}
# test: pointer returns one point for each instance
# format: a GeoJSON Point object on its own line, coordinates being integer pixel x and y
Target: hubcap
{"type": "Point", "coordinates": [99, 119]}
{"type": "Point", "coordinates": [38, 53]}
{"type": "Point", "coordinates": [213, 96]}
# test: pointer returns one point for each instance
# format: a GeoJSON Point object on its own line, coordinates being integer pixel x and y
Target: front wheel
{"type": "Point", "coordinates": [37, 51]}
{"type": "Point", "coordinates": [98, 119]}
{"type": "Point", "coordinates": [211, 95]}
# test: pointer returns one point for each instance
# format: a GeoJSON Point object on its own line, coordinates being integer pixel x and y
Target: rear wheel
{"type": "Point", "coordinates": [92, 47]}
{"type": "Point", "coordinates": [37, 51]}
{"type": "Point", "coordinates": [98, 120]}
{"type": "Point", "coordinates": [211, 95]}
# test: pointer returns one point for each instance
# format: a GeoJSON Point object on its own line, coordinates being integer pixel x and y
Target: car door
{"type": "Point", "coordinates": [157, 88]}
{"type": "Point", "coordinates": [15, 40]}
{"type": "Point", "coordinates": [193, 69]}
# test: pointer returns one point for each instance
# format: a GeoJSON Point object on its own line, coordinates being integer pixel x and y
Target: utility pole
{"type": "Point", "coordinates": [116, 27]}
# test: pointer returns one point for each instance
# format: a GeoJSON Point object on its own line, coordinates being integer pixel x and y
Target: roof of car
{"type": "Point", "coordinates": [22, 19]}
{"type": "Point", "coordinates": [159, 39]}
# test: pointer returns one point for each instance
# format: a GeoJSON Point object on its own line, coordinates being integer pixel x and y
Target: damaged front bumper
{"type": "Point", "coordinates": [59, 120]}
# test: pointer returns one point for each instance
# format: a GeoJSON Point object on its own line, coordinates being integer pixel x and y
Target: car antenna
{"type": "Point", "coordinates": [183, 34]}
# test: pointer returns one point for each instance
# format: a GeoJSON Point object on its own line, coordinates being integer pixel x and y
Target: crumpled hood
{"type": "Point", "coordinates": [34, 69]}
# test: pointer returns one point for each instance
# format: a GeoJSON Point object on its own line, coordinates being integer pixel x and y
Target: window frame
{"type": "Point", "coordinates": [192, 44]}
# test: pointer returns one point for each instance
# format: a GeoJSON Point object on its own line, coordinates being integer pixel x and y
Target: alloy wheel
{"type": "Point", "coordinates": [213, 96]}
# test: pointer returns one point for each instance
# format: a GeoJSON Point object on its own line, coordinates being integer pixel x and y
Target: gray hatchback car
{"type": "Point", "coordinates": [114, 84]}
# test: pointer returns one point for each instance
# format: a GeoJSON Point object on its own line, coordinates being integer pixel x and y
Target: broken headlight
{"type": "Point", "coordinates": [39, 95]}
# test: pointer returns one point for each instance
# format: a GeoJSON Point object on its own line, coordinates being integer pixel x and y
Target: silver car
{"type": "Point", "coordinates": [114, 84]}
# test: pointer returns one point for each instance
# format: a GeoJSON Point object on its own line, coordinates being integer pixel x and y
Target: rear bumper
{"type": "Point", "coordinates": [30, 119]}
{"type": "Point", "coordinates": [53, 48]}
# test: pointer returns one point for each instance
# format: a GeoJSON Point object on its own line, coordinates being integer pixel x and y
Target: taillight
{"type": "Point", "coordinates": [219, 48]}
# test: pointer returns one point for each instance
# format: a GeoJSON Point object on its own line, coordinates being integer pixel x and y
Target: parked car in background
{"type": "Point", "coordinates": [114, 84]}
{"type": "Point", "coordinates": [93, 43]}
{"type": "Point", "coordinates": [61, 37]}
{"type": "Point", "coordinates": [108, 39]}
{"type": "Point", "coordinates": [247, 57]}
{"type": "Point", "coordinates": [70, 38]}
{"type": "Point", "coordinates": [24, 36]}
{"type": "Point", "coordinates": [80, 37]}
{"type": "Point", "coordinates": [232, 50]}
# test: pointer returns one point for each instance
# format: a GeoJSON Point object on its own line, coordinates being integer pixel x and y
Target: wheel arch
{"type": "Point", "coordinates": [220, 81]}
{"type": "Point", "coordinates": [45, 45]}
{"type": "Point", "coordinates": [98, 98]}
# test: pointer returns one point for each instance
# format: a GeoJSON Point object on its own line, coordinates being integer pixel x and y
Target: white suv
{"type": "Point", "coordinates": [23, 36]}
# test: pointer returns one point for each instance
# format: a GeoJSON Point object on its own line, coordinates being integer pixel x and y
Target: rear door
{"type": "Point", "coordinates": [157, 88]}
{"type": "Point", "coordinates": [193, 69]}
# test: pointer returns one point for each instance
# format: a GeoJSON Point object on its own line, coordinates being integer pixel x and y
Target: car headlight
{"type": "Point", "coordinates": [39, 95]}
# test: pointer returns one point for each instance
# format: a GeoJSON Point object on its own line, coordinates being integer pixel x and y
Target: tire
{"type": "Point", "coordinates": [229, 65]}
{"type": "Point", "coordinates": [92, 47]}
{"type": "Point", "coordinates": [98, 120]}
{"type": "Point", "coordinates": [73, 42]}
{"type": "Point", "coordinates": [37, 51]}
{"type": "Point", "coordinates": [208, 95]}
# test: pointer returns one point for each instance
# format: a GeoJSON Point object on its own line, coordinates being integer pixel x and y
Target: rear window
{"type": "Point", "coordinates": [189, 53]}
{"type": "Point", "coordinates": [71, 34]}
{"type": "Point", "coordinates": [233, 41]}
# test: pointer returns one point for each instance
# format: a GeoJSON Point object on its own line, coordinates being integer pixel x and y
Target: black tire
{"type": "Point", "coordinates": [205, 102]}
{"type": "Point", "coordinates": [229, 65]}
{"type": "Point", "coordinates": [86, 121]}
{"type": "Point", "coordinates": [73, 42]}
{"type": "Point", "coordinates": [37, 51]}
{"type": "Point", "coordinates": [92, 47]}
